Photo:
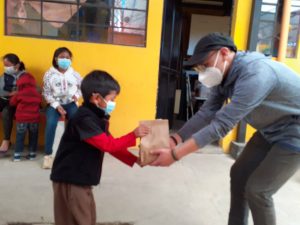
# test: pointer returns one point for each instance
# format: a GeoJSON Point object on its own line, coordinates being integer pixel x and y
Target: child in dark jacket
{"type": "Point", "coordinates": [78, 162]}
{"type": "Point", "coordinates": [27, 101]}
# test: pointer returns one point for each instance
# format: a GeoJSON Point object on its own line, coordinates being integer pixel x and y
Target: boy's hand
{"type": "Point", "coordinates": [138, 161]}
{"type": "Point", "coordinates": [141, 131]}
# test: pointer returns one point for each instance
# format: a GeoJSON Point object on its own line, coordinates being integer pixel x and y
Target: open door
{"type": "Point", "coordinates": [184, 23]}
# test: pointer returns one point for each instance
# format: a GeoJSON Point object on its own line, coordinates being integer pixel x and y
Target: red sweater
{"type": "Point", "coordinates": [27, 100]}
{"type": "Point", "coordinates": [117, 147]}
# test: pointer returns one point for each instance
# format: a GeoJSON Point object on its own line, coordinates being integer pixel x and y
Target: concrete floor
{"type": "Point", "coordinates": [194, 191]}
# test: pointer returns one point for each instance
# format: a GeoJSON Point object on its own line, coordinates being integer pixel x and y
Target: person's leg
{"type": "Point", "coordinates": [62, 211]}
{"type": "Point", "coordinates": [52, 117]}
{"type": "Point", "coordinates": [70, 109]}
{"type": "Point", "coordinates": [8, 113]}
{"type": "Point", "coordinates": [21, 131]}
{"type": "Point", "coordinates": [33, 139]}
{"type": "Point", "coordinates": [278, 166]}
{"type": "Point", "coordinates": [254, 152]}
{"type": "Point", "coordinates": [82, 205]}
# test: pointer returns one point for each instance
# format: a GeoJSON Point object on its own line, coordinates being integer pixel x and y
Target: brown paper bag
{"type": "Point", "coordinates": [158, 137]}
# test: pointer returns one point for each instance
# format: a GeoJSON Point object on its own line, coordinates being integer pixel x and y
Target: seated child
{"type": "Point", "coordinates": [78, 161]}
{"type": "Point", "coordinates": [27, 101]}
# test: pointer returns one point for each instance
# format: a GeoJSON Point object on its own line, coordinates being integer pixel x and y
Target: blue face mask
{"type": "Point", "coordinates": [64, 63]}
{"type": "Point", "coordinates": [110, 106]}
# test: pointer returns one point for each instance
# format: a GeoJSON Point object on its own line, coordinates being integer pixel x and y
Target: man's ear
{"type": "Point", "coordinates": [225, 52]}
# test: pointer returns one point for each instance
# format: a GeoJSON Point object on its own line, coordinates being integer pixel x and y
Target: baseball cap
{"type": "Point", "coordinates": [212, 41]}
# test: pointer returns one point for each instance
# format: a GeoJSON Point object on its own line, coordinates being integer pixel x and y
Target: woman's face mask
{"type": "Point", "coordinates": [10, 70]}
{"type": "Point", "coordinates": [212, 76]}
{"type": "Point", "coordinates": [63, 63]}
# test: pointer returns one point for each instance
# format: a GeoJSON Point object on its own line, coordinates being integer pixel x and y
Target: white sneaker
{"type": "Point", "coordinates": [48, 160]}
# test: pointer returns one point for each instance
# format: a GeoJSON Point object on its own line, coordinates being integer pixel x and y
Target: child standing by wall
{"type": "Point", "coordinates": [27, 101]}
{"type": "Point", "coordinates": [78, 161]}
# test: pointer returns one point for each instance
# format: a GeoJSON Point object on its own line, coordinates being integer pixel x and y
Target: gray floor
{"type": "Point", "coordinates": [194, 191]}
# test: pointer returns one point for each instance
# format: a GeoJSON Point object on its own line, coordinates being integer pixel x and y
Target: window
{"type": "Point", "coordinates": [102, 21]}
{"type": "Point", "coordinates": [293, 39]}
{"type": "Point", "coordinates": [266, 26]}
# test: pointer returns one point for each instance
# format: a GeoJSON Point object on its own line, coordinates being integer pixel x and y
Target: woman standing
{"type": "Point", "coordinates": [13, 69]}
{"type": "Point", "coordinates": [61, 91]}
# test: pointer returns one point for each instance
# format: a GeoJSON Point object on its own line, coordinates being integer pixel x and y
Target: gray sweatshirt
{"type": "Point", "coordinates": [264, 92]}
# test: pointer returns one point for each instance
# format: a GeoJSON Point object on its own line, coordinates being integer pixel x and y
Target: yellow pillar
{"type": "Point", "coordinates": [241, 17]}
{"type": "Point", "coordinates": [284, 32]}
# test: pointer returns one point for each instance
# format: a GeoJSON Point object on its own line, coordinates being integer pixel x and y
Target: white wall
{"type": "Point", "coordinates": [203, 24]}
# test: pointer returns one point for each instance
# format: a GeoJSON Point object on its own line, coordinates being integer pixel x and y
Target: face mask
{"type": "Point", "coordinates": [63, 63]}
{"type": "Point", "coordinates": [212, 76]}
{"type": "Point", "coordinates": [110, 106]}
{"type": "Point", "coordinates": [9, 70]}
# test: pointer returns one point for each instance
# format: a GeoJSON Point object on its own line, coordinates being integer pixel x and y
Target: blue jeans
{"type": "Point", "coordinates": [52, 117]}
{"type": "Point", "coordinates": [33, 129]}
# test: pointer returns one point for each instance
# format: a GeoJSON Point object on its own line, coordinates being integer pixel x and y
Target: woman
{"type": "Point", "coordinates": [13, 69]}
{"type": "Point", "coordinates": [61, 91]}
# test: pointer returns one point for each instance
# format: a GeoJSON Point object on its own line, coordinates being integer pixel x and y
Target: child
{"type": "Point", "coordinates": [14, 68]}
{"type": "Point", "coordinates": [61, 91]}
{"type": "Point", "coordinates": [78, 161]}
{"type": "Point", "coordinates": [27, 101]}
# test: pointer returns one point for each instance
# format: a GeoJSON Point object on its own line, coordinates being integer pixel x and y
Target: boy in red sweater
{"type": "Point", "coordinates": [78, 162]}
{"type": "Point", "coordinates": [27, 102]}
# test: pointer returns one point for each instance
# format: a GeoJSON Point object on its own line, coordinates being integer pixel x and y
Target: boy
{"type": "Point", "coordinates": [27, 101]}
{"type": "Point", "coordinates": [78, 162]}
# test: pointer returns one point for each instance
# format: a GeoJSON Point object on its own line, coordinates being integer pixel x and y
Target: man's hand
{"type": "Point", "coordinates": [164, 157]}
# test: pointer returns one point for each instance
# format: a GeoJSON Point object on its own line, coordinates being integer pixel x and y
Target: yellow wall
{"type": "Point", "coordinates": [135, 68]}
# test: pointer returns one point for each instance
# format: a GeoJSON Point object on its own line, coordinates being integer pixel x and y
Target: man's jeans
{"type": "Point", "coordinates": [52, 117]}
{"type": "Point", "coordinates": [33, 129]}
{"type": "Point", "coordinates": [259, 172]}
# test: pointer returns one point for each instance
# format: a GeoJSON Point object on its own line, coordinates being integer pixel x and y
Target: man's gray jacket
{"type": "Point", "coordinates": [264, 92]}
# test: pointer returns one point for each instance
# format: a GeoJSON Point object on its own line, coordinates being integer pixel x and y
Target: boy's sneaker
{"type": "Point", "coordinates": [47, 163]}
{"type": "Point", "coordinates": [17, 158]}
{"type": "Point", "coordinates": [31, 156]}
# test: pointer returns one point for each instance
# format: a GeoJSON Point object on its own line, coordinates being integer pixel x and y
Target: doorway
{"type": "Point", "coordinates": [184, 23]}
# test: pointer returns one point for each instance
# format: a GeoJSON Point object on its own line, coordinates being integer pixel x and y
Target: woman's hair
{"type": "Point", "coordinates": [14, 59]}
{"type": "Point", "coordinates": [100, 82]}
{"type": "Point", "coordinates": [57, 53]}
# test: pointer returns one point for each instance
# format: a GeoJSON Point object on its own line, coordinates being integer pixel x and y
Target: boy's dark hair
{"type": "Point", "coordinates": [14, 59]}
{"type": "Point", "coordinates": [57, 53]}
{"type": "Point", "coordinates": [98, 81]}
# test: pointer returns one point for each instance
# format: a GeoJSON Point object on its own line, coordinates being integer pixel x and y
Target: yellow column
{"type": "Point", "coordinates": [239, 32]}
{"type": "Point", "coordinates": [284, 32]}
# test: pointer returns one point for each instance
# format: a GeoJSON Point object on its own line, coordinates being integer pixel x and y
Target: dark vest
{"type": "Point", "coordinates": [77, 162]}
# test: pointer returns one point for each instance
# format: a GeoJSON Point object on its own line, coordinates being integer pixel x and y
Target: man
{"type": "Point", "coordinates": [266, 94]}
